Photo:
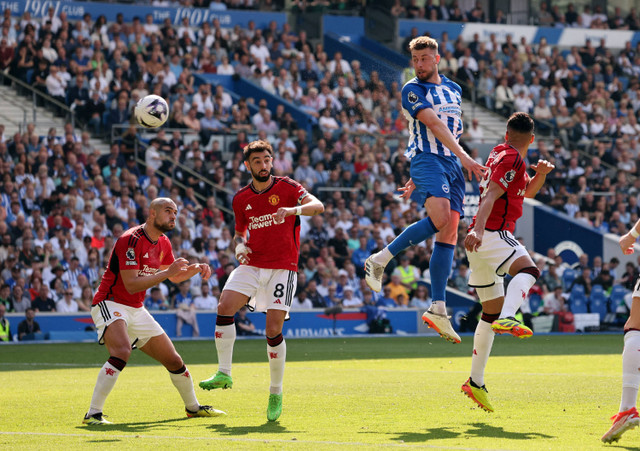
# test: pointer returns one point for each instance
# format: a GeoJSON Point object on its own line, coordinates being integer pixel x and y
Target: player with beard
{"type": "Point", "coordinates": [266, 279]}
{"type": "Point", "coordinates": [431, 104]}
{"type": "Point", "coordinates": [141, 258]}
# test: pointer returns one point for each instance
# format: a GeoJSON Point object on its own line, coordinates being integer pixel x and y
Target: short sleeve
{"type": "Point", "coordinates": [127, 256]}
{"type": "Point", "coordinates": [413, 99]}
{"type": "Point", "coordinates": [238, 211]}
{"type": "Point", "coordinates": [505, 172]}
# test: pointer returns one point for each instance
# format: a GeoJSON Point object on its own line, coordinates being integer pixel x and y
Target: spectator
{"type": "Point", "coordinates": [5, 326]}
{"type": "Point", "coordinates": [67, 304]}
{"type": "Point", "coordinates": [206, 300]}
{"type": "Point", "coordinates": [29, 329]}
{"type": "Point", "coordinates": [185, 309]}
{"type": "Point", "coordinates": [244, 326]}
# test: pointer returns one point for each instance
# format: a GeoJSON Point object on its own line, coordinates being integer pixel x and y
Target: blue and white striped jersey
{"type": "Point", "coordinates": [445, 100]}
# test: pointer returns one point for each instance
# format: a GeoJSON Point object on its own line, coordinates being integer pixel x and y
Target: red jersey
{"type": "Point", "coordinates": [133, 250]}
{"type": "Point", "coordinates": [507, 169]}
{"type": "Point", "coordinates": [273, 246]}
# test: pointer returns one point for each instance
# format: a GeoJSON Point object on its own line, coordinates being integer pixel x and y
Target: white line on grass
{"type": "Point", "coordinates": [251, 440]}
{"type": "Point", "coordinates": [311, 368]}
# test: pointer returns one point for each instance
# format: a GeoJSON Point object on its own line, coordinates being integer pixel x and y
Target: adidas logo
{"type": "Point", "coordinates": [277, 301]}
{"type": "Point", "coordinates": [248, 207]}
{"type": "Point", "coordinates": [146, 255]}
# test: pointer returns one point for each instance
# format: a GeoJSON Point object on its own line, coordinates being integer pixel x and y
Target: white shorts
{"type": "Point", "coordinates": [140, 324]}
{"type": "Point", "coordinates": [267, 288]}
{"type": "Point", "coordinates": [491, 262]}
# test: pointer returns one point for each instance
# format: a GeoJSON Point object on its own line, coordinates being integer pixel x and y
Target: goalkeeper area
{"type": "Point", "coordinates": [551, 392]}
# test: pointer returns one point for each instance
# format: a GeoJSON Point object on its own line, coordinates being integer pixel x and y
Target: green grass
{"type": "Point", "coordinates": [549, 392]}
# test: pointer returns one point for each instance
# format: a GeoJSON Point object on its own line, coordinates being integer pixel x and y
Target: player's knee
{"type": "Point", "coordinates": [122, 352]}
{"type": "Point", "coordinates": [174, 362]}
{"type": "Point", "coordinates": [531, 270]}
{"type": "Point", "coordinates": [441, 219]}
{"type": "Point", "coordinates": [272, 331]}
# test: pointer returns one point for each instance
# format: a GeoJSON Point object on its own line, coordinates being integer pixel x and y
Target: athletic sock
{"type": "Point", "coordinates": [482, 343]}
{"type": "Point", "coordinates": [277, 354]}
{"type": "Point", "coordinates": [516, 292]}
{"type": "Point", "coordinates": [184, 384]}
{"type": "Point", "coordinates": [630, 370]}
{"type": "Point", "coordinates": [225, 338]}
{"type": "Point", "coordinates": [107, 378]}
{"type": "Point", "coordinates": [414, 234]}
{"type": "Point", "coordinates": [439, 269]}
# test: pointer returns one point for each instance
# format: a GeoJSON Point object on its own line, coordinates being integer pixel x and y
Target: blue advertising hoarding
{"type": "Point", "coordinates": [196, 16]}
{"type": "Point", "coordinates": [308, 323]}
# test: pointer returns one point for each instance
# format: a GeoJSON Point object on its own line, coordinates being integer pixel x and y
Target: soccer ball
{"type": "Point", "coordinates": [151, 111]}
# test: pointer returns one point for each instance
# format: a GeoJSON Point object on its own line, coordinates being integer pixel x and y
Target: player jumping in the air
{"type": "Point", "coordinates": [268, 209]}
{"type": "Point", "coordinates": [141, 258]}
{"type": "Point", "coordinates": [628, 418]}
{"type": "Point", "coordinates": [431, 104]}
{"type": "Point", "coordinates": [493, 251]}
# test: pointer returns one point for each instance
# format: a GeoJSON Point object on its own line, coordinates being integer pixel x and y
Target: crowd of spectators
{"type": "Point", "coordinates": [62, 204]}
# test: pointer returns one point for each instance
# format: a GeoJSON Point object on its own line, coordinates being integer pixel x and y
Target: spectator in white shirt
{"type": "Point", "coordinates": [206, 301]}
{"type": "Point", "coordinates": [67, 304]}
{"type": "Point", "coordinates": [337, 61]}
{"type": "Point", "coordinates": [56, 84]}
{"type": "Point", "coordinates": [259, 51]}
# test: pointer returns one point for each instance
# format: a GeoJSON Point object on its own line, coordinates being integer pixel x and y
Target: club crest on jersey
{"type": "Point", "coordinates": [274, 199]}
{"type": "Point", "coordinates": [131, 254]}
{"type": "Point", "coordinates": [413, 98]}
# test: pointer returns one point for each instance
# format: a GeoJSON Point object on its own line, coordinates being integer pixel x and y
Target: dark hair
{"type": "Point", "coordinates": [520, 123]}
{"type": "Point", "coordinates": [255, 147]}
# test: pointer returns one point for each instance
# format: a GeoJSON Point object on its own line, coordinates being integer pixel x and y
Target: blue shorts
{"type": "Point", "coordinates": [438, 176]}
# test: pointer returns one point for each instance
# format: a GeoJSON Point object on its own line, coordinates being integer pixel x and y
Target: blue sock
{"type": "Point", "coordinates": [439, 269]}
{"type": "Point", "coordinates": [414, 234]}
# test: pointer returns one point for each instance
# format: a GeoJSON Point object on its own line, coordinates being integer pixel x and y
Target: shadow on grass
{"type": "Point", "coordinates": [475, 430]}
{"type": "Point", "coordinates": [619, 446]}
{"type": "Point", "coordinates": [269, 427]}
{"type": "Point", "coordinates": [489, 431]}
{"type": "Point", "coordinates": [140, 426]}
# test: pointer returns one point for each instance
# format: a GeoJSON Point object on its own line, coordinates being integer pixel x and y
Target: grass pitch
{"type": "Point", "coordinates": [549, 392]}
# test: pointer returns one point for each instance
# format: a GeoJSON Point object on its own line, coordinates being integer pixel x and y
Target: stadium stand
{"type": "Point", "coordinates": [333, 119]}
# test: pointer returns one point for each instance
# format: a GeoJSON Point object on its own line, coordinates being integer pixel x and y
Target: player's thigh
{"type": "Point", "coordinates": [519, 263]}
{"type": "Point", "coordinates": [116, 339]}
{"type": "Point", "coordinates": [242, 285]}
{"type": "Point", "coordinates": [161, 349]}
{"type": "Point", "coordinates": [634, 317]}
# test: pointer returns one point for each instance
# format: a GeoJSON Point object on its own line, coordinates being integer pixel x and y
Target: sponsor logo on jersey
{"type": "Point", "coordinates": [412, 97]}
{"type": "Point", "coordinates": [248, 207]}
{"type": "Point", "coordinates": [273, 355]}
{"type": "Point", "coordinates": [274, 199]}
{"type": "Point", "coordinates": [445, 188]}
{"type": "Point", "coordinates": [147, 271]}
{"type": "Point", "coordinates": [131, 254]}
{"type": "Point", "coordinates": [146, 255]}
{"type": "Point", "coordinates": [258, 222]}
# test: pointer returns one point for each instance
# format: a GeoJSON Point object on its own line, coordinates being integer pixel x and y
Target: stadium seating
{"type": "Point", "coordinates": [568, 276]}
{"type": "Point", "coordinates": [535, 302]}
{"type": "Point", "coordinates": [598, 302]}
{"type": "Point", "coordinates": [578, 300]}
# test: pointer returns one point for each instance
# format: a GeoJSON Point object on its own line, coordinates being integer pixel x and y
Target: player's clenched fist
{"type": "Point", "coordinates": [205, 270]}
{"type": "Point", "coordinates": [178, 265]}
{"type": "Point", "coordinates": [473, 241]}
{"type": "Point", "coordinates": [242, 253]}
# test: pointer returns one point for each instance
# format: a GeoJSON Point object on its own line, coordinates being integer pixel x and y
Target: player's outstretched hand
{"type": "Point", "coordinates": [179, 265]}
{"type": "Point", "coordinates": [473, 241]}
{"type": "Point", "coordinates": [543, 167]}
{"type": "Point", "coordinates": [407, 189]}
{"type": "Point", "coordinates": [473, 168]}
{"type": "Point", "coordinates": [626, 242]}
{"type": "Point", "coordinates": [242, 253]}
{"type": "Point", "coordinates": [205, 270]}
{"type": "Point", "coordinates": [283, 212]}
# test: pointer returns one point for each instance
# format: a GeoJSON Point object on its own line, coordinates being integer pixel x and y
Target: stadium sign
{"type": "Point", "coordinates": [196, 16]}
